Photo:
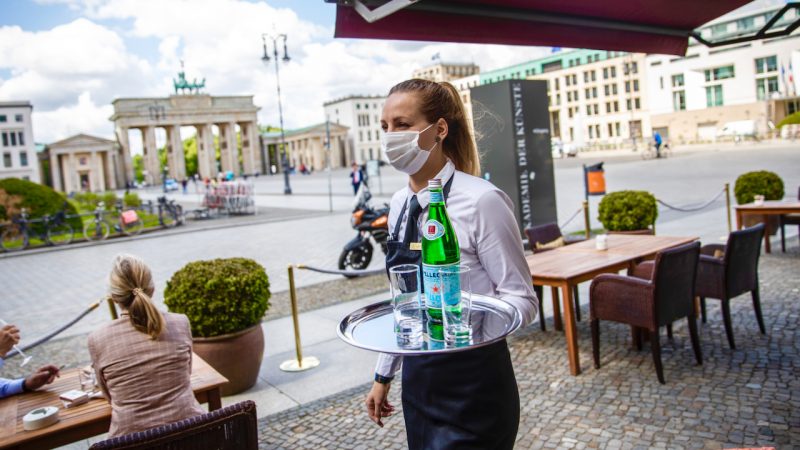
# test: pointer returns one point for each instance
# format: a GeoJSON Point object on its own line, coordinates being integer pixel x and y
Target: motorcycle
{"type": "Point", "coordinates": [370, 224]}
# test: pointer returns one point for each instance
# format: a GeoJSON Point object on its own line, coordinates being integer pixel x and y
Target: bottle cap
{"type": "Point", "coordinates": [435, 183]}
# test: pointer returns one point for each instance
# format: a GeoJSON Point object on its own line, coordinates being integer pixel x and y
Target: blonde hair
{"type": "Point", "coordinates": [442, 101]}
{"type": "Point", "coordinates": [132, 289]}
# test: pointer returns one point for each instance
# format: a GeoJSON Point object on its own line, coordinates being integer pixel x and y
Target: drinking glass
{"type": "Point", "coordinates": [456, 311]}
{"type": "Point", "coordinates": [406, 305]}
{"type": "Point", "coordinates": [25, 358]}
{"type": "Point", "coordinates": [87, 378]}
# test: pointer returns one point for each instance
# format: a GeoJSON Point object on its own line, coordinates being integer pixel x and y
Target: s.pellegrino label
{"type": "Point", "coordinates": [440, 260]}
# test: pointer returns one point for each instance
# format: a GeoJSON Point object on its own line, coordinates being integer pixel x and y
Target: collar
{"type": "Point", "coordinates": [424, 196]}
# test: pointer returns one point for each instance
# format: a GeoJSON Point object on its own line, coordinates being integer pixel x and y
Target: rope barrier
{"type": "Point", "coordinates": [52, 334]}
{"type": "Point", "coordinates": [349, 273]}
{"type": "Point", "coordinates": [697, 208]}
{"type": "Point", "coordinates": [563, 225]}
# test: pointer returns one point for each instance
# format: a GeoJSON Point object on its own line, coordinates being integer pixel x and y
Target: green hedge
{"type": "Point", "coordinates": [761, 182]}
{"type": "Point", "coordinates": [219, 296]}
{"type": "Point", "coordinates": [628, 211]}
{"type": "Point", "coordinates": [38, 199]}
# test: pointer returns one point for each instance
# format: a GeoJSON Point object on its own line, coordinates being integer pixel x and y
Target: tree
{"type": "Point", "coordinates": [138, 168]}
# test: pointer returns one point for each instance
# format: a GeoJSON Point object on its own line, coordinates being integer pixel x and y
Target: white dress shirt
{"type": "Point", "coordinates": [483, 219]}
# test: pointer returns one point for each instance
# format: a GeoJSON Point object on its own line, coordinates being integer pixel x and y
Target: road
{"type": "Point", "coordinates": [45, 289]}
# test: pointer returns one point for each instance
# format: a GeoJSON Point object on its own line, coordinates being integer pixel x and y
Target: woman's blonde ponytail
{"type": "Point", "coordinates": [132, 289]}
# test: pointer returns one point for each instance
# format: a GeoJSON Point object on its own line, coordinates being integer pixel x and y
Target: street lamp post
{"type": "Point", "coordinates": [287, 189]}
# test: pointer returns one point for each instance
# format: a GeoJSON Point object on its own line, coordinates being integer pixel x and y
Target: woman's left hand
{"type": "Point", "coordinates": [378, 405]}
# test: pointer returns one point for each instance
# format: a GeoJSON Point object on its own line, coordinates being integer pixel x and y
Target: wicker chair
{"type": "Point", "coordinates": [230, 428]}
{"type": "Point", "coordinates": [789, 219]}
{"type": "Point", "coordinates": [542, 234]}
{"type": "Point", "coordinates": [649, 304]}
{"type": "Point", "coordinates": [733, 274]}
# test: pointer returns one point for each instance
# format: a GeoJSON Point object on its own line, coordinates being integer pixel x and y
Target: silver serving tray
{"type": "Point", "coordinates": [372, 327]}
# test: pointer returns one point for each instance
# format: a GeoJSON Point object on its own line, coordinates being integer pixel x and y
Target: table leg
{"type": "Point", "coordinates": [214, 400]}
{"type": "Point", "coordinates": [766, 234]}
{"type": "Point", "coordinates": [556, 309]}
{"type": "Point", "coordinates": [571, 329]}
{"type": "Point", "coordinates": [738, 220]}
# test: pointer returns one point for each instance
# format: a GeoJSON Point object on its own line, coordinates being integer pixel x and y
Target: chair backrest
{"type": "Point", "coordinates": [542, 234]}
{"type": "Point", "coordinates": [741, 259]}
{"type": "Point", "coordinates": [231, 428]}
{"type": "Point", "coordinates": [674, 276]}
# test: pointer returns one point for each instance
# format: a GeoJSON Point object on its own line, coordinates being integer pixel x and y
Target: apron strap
{"type": "Point", "coordinates": [446, 192]}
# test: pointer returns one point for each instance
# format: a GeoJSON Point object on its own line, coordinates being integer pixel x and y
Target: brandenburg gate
{"type": "Point", "coordinates": [197, 110]}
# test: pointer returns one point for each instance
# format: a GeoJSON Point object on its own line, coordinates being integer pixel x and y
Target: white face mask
{"type": "Point", "coordinates": [403, 152]}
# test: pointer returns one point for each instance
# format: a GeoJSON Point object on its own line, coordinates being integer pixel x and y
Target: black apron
{"type": "Point", "coordinates": [464, 400]}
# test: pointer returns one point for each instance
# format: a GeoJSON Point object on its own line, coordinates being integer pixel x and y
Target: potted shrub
{"type": "Point", "coordinates": [629, 212]}
{"type": "Point", "coordinates": [225, 300]}
{"type": "Point", "coordinates": [760, 182]}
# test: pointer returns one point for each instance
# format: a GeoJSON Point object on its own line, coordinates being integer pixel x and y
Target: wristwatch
{"type": "Point", "coordinates": [382, 379]}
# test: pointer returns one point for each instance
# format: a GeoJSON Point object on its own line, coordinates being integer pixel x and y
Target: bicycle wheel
{"type": "Point", "coordinates": [132, 228]}
{"type": "Point", "coordinates": [60, 234]}
{"type": "Point", "coordinates": [168, 218]}
{"type": "Point", "coordinates": [13, 239]}
{"type": "Point", "coordinates": [648, 153]}
{"type": "Point", "coordinates": [96, 230]}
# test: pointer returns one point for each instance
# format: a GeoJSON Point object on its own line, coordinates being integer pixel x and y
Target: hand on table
{"type": "Point", "coordinates": [44, 375]}
{"type": "Point", "coordinates": [377, 402]}
{"type": "Point", "coordinates": [9, 337]}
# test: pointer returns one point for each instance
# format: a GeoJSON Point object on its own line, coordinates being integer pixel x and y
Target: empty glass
{"type": "Point", "coordinates": [406, 305]}
{"type": "Point", "coordinates": [25, 358]}
{"type": "Point", "coordinates": [456, 314]}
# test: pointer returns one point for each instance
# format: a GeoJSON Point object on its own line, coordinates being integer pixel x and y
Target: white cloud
{"type": "Point", "coordinates": [219, 40]}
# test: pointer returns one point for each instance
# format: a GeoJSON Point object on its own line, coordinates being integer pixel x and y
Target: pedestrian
{"type": "Point", "coordinates": [184, 183]}
{"type": "Point", "coordinates": [467, 399]}
{"type": "Point", "coordinates": [356, 177]}
{"type": "Point", "coordinates": [657, 138]}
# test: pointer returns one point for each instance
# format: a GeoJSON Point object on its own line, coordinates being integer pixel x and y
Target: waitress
{"type": "Point", "coordinates": [467, 399]}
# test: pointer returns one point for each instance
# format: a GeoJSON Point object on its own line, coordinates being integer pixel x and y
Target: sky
{"type": "Point", "coordinates": [71, 58]}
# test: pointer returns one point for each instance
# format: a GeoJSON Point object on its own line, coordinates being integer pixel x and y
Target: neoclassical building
{"type": "Point", "coordinates": [85, 163]}
{"type": "Point", "coordinates": [306, 146]}
{"type": "Point", "coordinates": [230, 114]}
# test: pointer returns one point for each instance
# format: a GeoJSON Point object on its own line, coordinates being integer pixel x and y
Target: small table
{"type": "Point", "coordinates": [565, 267]}
{"type": "Point", "coordinates": [87, 420]}
{"type": "Point", "coordinates": [765, 209]}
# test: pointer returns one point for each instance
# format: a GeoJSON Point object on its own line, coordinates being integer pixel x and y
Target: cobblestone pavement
{"type": "Point", "coordinates": [749, 397]}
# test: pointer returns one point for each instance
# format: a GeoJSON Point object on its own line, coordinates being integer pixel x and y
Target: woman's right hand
{"type": "Point", "coordinates": [377, 402]}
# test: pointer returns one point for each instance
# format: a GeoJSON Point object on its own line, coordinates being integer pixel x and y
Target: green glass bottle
{"type": "Point", "coordinates": [440, 253]}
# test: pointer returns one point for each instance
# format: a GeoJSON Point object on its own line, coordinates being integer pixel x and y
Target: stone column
{"type": "Point", "coordinates": [228, 151]}
{"type": "Point", "coordinates": [176, 160]}
{"type": "Point", "coordinates": [55, 172]}
{"type": "Point", "coordinates": [250, 157]}
{"type": "Point", "coordinates": [206, 154]}
{"type": "Point", "coordinates": [71, 175]}
{"type": "Point", "coordinates": [111, 173]}
{"type": "Point", "coordinates": [96, 175]}
{"type": "Point", "coordinates": [127, 160]}
{"type": "Point", "coordinates": [151, 163]}
{"type": "Point", "coordinates": [349, 157]}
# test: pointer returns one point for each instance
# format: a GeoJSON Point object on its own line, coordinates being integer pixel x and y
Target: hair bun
{"type": "Point", "coordinates": [137, 291]}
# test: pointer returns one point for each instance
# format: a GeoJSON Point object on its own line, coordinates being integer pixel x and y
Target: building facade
{"type": "Point", "coordinates": [86, 163]}
{"type": "Point", "coordinates": [16, 142]}
{"type": "Point", "coordinates": [446, 71]}
{"type": "Point", "coordinates": [306, 147]}
{"type": "Point", "coordinates": [361, 114]}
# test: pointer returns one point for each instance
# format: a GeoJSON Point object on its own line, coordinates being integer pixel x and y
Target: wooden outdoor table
{"type": "Point", "coordinates": [565, 267]}
{"type": "Point", "coordinates": [87, 420]}
{"type": "Point", "coordinates": [766, 209]}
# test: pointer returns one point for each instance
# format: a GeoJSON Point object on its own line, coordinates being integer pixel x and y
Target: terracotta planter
{"type": "Point", "coordinates": [237, 356]}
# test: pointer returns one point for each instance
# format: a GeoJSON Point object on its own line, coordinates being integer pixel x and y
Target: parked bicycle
{"type": "Point", "coordinates": [54, 230]}
{"type": "Point", "coordinates": [170, 214]}
{"type": "Point", "coordinates": [128, 223]}
{"type": "Point", "coordinates": [650, 151]}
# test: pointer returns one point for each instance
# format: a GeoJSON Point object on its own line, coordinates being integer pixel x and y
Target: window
{"type": "Point", "coordinates": [607, 90]}
{"type": "Point", "coordinates": [614, 89]}
{"type": "Point", "coordinates": [714, 95]}
{"type": "Point", "coordinates": [594, 92]}
{"type": "Point", "coordinates": [588, 93]}
{"type": "Point", "coordinates": [745, 23]}
{"type": "Point", "coordinates": [557, 87]}
{"type": "Point", "coordinates": [719, 29]}
{"type": "Point", "coordinates": [591, 132]}
{"type": "Point", "coordinates": [628, 104]}
{"type": "Point", "coordinates": [588, 110]}
{"type": "Point", "coordinates": [765, 87]}
{"type": "Point", "coordinates": [636, 103]}
{"type": "Point", "coordinates": [634, 67]}
{"type": "Point", "coordinates": [594, 76]}
{"type": "Point", "coordinates": [3, 118]}
{"type": "Point", "coordinates": [13, 139]}
{"type": "Point", "coordinates": [720, 73]}
{"type": "Point", "coordinates": [18, 118]}
{"type": "Point", "coordinates": [569, 96]}
{"type": "Point", "coordinates": [568, 80]}
{"type": "Point", "coordinates": [575, 79]}
{"type": "Point", "coordinates": [358, 105]}
{"type": "Point", "coordinates": [558, 99]}
{"type": "Point", "coordinates": [608, 107]}
{"type": "Point", "coordinates": [23, 159]}
{"type": "Point", "coordinates": [679, 100]}
{"type": "Point", "coordinates": [616, 108]}
{"type": "Point", "coordinates": [569, 112]}
{"type": "Point", "coordinates": [605, 73]}
{"type": "Point", "coordinates": [661, 82]}
{"type": "Point", "coordinates": [616, 128]}
{"type": "Point", "coordinates": [360, 136]}
{"type": "Point", "coordinates": [571, 134]}
{"type": "Point", "coordinates": [21, 138]}
{"type": "Point", "coordinates": [597, 131]}
{"type": "Point", "coordinates": [677, 80]}
{"type": "Point", "coordinates": [627, 86]}
{"type": "Point", "coordinates": [6, 160]}
{"type": "Point", "coordinates": [635, 85]}
{"type": "Point", "coordinates": [610, 130]}
{"type": "Point", "coordinates": [585, 77]}
{"type": "Point", "coordinates": [768, 64]}
{"type": "Point", "coordinates": [5, 139]}
{"type": "Point", "coordinates": [613, 72]}
{"type": "Point", "coordinates": [596, 111]}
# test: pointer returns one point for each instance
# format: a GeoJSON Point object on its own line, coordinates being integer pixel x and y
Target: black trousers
{"type": "Point", "coordinates": [464, 400]}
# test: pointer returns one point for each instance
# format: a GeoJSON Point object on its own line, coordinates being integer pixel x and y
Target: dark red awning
{"type": "Point", "coordinates": [654, 26]}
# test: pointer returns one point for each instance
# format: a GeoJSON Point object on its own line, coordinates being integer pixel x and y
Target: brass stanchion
{"type": "Point", "coordinates": [299, 364]}
{"type": "Point", "coordinates": [728, 205]}
{"type": "Point", "coordinates": [112, 308]}
{"type": "Point", "coordinates": [587, 225]}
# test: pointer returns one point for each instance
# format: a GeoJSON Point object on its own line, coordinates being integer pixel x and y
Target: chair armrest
{"type": "Point", "coordinates": [622, 299]}
{"type": "Point", "coordinates": [644, 270]}
{"type": "Point", "coordinates": [710, 249]}
{"type": "Point", "coordinates": [710, 281]}
{"type": "Point", "coordinates": [706, 259]}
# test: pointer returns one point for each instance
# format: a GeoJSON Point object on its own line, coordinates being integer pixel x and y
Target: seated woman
{"type": "Point", "coordinates": [143, 360]}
